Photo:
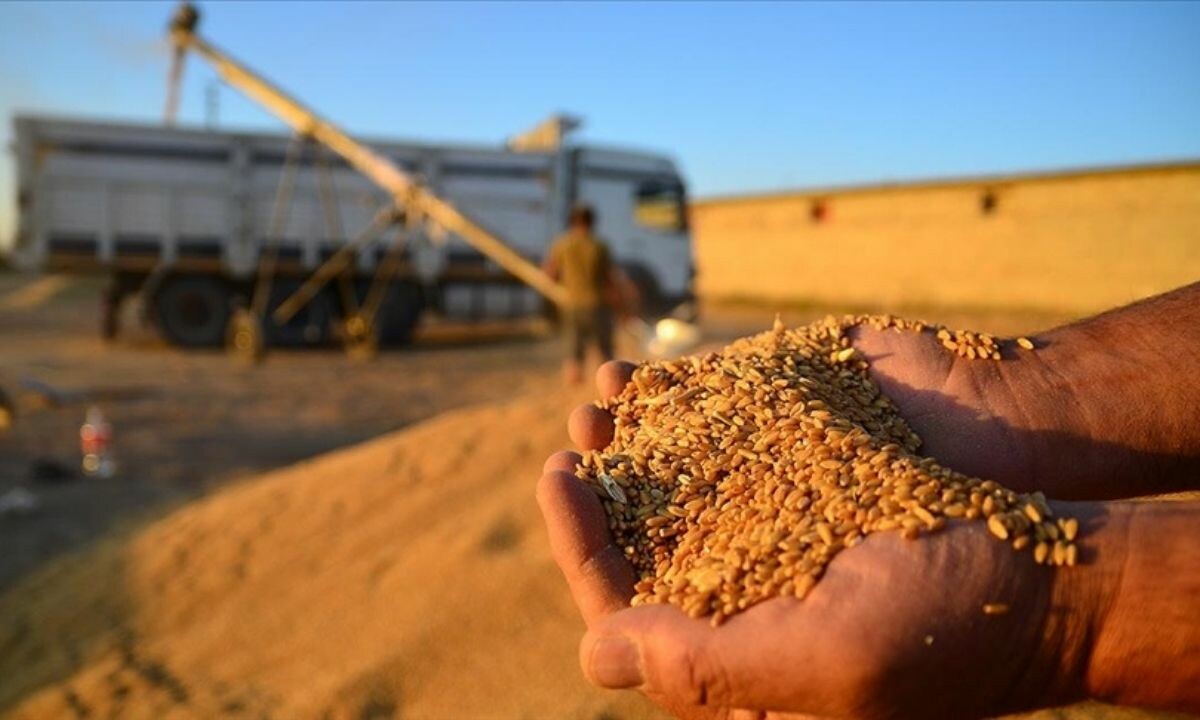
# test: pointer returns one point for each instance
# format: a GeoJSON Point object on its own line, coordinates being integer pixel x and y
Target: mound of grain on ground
{"type": "Point", "coordinates": [408, 576]}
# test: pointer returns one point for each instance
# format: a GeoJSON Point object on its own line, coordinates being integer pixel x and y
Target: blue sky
{"type": "Point", "coordinates": [747, 96]}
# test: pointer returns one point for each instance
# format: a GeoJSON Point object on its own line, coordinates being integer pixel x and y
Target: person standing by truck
{"type": "Point", "coordinates": [581, 262]}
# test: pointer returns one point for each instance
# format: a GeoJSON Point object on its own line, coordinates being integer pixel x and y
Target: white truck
{"type": "Point", "coordinates": [183, 216]}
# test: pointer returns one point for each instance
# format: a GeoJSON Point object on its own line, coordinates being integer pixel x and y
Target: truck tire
{"type": "Point", "coordinates": [399, 314]}
{"type": "Point", "coordinates": [311, 325]}
{"type": "Point", "coordinates": [192, 311]}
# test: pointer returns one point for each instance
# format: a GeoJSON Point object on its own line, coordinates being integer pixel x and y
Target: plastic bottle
{"type": "Point", "coordinates": [95, 439]}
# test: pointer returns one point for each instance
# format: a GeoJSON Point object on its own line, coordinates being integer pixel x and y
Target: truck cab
{"type": "Point", "coordinates": [641, 204]}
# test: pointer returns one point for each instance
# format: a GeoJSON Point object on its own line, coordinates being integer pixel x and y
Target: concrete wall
{"type": "Point", "coordinates": [1079, 242]}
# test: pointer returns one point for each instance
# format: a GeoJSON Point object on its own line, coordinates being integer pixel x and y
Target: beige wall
{"type": "Point", "coordinates": [1071, 242]}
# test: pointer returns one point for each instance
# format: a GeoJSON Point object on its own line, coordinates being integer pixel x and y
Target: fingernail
{"type": "Point", "coordinates": [615, 663]}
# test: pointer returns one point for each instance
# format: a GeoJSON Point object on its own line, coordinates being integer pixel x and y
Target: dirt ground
{"type": "Point", "coordinates": [314, 537]}
{"type": "Point", "coordinates": [187, 422]}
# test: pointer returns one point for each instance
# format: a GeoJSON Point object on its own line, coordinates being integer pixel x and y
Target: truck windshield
{"type": "Point", "coordinates": [660, 206]}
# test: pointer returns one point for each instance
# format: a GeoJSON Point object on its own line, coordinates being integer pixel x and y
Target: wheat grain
{"type": "Point", "coordinates": [737, 476]}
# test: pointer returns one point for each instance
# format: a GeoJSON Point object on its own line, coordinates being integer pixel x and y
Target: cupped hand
{"type": "Point", "coordinates": [894, 627]}
{"type": "Point", "coordinates": [1026, 421]}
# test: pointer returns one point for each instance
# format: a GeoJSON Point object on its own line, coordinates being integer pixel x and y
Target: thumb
{"type": "Point", "coordinates": [768, 658]}
{"type": "Point", "coordinates": [661, 651]}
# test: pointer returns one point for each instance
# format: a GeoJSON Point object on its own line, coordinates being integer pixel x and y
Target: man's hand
{"type": "Point", "coordinates": [1101, 409]}
{"type": "Point", "coordinates": [895, 627]}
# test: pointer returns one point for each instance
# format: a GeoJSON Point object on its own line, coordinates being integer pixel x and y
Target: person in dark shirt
{"type": "Point", "coordinates": [581, 262]}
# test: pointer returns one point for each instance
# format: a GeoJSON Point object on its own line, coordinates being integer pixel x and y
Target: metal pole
{"type": "Point", "coordinates": [333, 226]}
{"type": "Point", "coordinates": [174, 78]}
{"type": "Point", "coordinates": [268, 260]}
{"type": "Point", "coordinates": [383, 275]}
{"type": "Point", "coordinates": [406, 192]}
{"type": "Point", "coordinates": [331, 267]}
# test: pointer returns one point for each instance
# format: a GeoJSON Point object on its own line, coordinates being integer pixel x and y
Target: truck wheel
{"type": "Point", "coordinates": [192, 311]}
{"type": "Point", "coordinates": [398, 314]}
{"type": "Point", "coordinates": [312, 325]}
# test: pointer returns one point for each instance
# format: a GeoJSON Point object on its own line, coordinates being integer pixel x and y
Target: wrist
{"type": "Point", "coordinates": [1078, 601]}
{"type": "Point", "coordinates": [1147, 634]}
{"type": "Point", "coordinates": [1123, 625]}
{"type": "Point", "coordinates": [1103, 423]}
{"type": "Point", "coordinates": [1023, 421]}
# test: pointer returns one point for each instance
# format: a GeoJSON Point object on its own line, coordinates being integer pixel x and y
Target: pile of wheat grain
{"type": "Point", "coordinates": [737, 476]}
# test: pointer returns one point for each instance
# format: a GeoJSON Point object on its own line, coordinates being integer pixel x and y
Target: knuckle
{"type": "Point", "coordinates": [594, 564]}
{"type": "Point", "coordinates": [743, 714]}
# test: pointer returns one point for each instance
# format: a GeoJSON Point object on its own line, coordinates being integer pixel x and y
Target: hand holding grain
{"type": "Point", "coordinates": [881, 633]}
{"type": "Point", "coordinates": [956, 624]}
{"type": "Point", "coordinates": [1103, 408]}
{"type": "Point", "coordinates": [953, 625]}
